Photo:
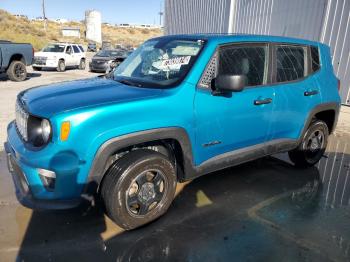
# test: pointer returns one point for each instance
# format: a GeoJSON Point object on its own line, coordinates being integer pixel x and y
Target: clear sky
{"type": "Point", "coordinates": [113, 11]}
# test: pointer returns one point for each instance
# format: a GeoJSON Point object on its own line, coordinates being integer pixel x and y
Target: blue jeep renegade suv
{"type": "Point", "coordinates": [177, 108]}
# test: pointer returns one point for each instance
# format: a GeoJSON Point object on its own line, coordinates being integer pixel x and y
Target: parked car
{"type": "Point", "coordinates": [60, 56]}
{"type": "Point", "coordinates": [106, 45]}
{"type": "Point", "coordinates": [177, 108]}
{"type": "Point", "coordinates": [14, 57]}
{"type": "Point", "coordinates": [92, 47]}
{"type": "Point", "coordinates": [105, 60]}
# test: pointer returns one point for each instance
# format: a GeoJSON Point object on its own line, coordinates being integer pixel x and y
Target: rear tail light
{"type": "Point", "coordinates": [338, 85]}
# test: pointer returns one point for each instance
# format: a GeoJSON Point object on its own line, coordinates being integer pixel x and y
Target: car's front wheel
{"type": "Point", "coordinates": [61, 67]}
{"type": "Point", "coordinates": [138, 188]}
{"type": "Point", "coordinates": [312, 146]}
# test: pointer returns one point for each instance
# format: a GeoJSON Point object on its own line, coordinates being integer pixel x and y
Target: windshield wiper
{"type": "Point", "coordinates": [129, 83]}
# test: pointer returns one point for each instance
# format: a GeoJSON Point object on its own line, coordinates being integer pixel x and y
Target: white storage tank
{"type": "Point", "coordinates": [93, 26]}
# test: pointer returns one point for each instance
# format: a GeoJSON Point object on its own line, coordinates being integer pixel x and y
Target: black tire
{"type": "Point", "coordinates": [17, 71]}
{"type": "Point", "coordinates": [82, 64]}
{"type": "Point", "coordinates": [130, 199]}
{"type": "Point", "coordinates": [37, 68]}
{"type": "Point", "coordinates": [312, 146]}
{"type": "Point", "coordinates": [61, 67]}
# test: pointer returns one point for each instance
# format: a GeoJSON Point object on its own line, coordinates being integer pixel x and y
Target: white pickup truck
{"type": "Point", "coordinates": [60, 56]}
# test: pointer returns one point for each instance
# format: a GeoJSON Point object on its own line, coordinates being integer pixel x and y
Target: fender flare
{"type": "Point", "coordinates": [317, 109]}
{"type": "Point", "coordinates": [115, 144]}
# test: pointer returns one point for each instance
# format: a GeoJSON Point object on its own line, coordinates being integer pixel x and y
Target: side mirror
{"type": "Point", "coordinates": [230, 83]}
{"type": "Point", "coordinates": [69, 52]}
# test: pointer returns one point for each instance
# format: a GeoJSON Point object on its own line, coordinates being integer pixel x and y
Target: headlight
{"type": "Point", "coordinates": [39, 131]}
{"type": "Point", "coordinates": [46, 130]}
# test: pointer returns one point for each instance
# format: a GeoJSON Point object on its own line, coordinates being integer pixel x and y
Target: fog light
{"type": "Point", "coordinates": [48, 178]}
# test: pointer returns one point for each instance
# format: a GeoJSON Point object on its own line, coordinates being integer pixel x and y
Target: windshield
{"type": "Point", "coordinates": [54, 48]}
{"type": "Point", "coordinates": [110, 53]}
{"type": "Point", "coordinates": [159, 63]}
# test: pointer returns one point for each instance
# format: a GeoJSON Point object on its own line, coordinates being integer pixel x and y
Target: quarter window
{"type": "Point", "coordinates": [315, 59]}
{"type": "Point", "coordinates": [244, 60]}
{"type": "Point", "coordinates": [290, 63]}
{"type": "Point", "coordinates": [81, 49]}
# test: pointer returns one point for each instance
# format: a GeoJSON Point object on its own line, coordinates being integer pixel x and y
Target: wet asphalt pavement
{"type": "Point", "coordinates": [265, 210]}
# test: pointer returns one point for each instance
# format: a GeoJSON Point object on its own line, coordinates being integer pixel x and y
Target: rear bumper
{"type": "Point", "coordinates": [23, 192]}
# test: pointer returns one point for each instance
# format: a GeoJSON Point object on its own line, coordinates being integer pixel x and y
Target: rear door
{"type": "Point", "coordinates": [297, 90]}
{"type": "Point", "coordinates": [77, 54]}
{"type": "Point", "coordinates": [225, 123]}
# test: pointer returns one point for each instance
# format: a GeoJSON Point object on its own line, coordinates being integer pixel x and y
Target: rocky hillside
{"type": "Point", "coordinates": [23, 30]}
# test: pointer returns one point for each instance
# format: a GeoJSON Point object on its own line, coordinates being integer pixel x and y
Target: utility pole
{"type": "Point", "coordinates": [44, 15]}
{"type": "Point", "coordinates": [160, 14]}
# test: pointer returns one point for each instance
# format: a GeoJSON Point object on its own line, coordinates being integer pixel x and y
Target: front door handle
{"type": "Point", "coordinates": [311, 93]}
{"type": "Point", "coordinates": [262, 102]}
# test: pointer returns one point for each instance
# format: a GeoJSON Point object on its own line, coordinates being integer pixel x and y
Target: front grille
{"type": "Point", "coordinates": [99, 62]}
{"type": "Point", "coordinates": [21, 121]}
{"type": "Point", "coordinates": [40, 60]}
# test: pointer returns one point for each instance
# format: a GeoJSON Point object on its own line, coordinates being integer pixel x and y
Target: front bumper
{"type": "Point", "coordinates": [23, 190]}
{"type": "Point", "coordinates": [46, 63]}
{"type": "Point", "coordinates": [98, 67]}
{"type": "Point", "coordinates": [25, 165]}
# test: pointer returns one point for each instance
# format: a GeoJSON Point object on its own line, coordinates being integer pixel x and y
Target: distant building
{"type": "Point", "coordinates": [61, 20]}
{"type": "Point", "coordinates": [71, 31]}
{"type": "Point", "coordinates": [139, 26]}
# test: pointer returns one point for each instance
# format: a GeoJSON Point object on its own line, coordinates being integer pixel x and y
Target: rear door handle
{"type": "Point", "coordinates": [262, 102]}
{"type": "Point", "coordinates": [311, 93]}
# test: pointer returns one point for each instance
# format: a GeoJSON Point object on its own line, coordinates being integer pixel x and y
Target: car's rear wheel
{"type": "Point", "coordinates": [138, 188]}
{"type": "Point", "coordinates": [61, 67]}
{"type": "Point", "coordinates": [312, 146]}
{"type": "Point", "coordinates": [17, 71]}
{"type": "Point", "coordinates": [82, 64]}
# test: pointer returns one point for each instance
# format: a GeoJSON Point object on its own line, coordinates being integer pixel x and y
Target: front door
{"type": "Point", "coordinates": [236, 120]}
{"type": "Point", "coordinates": [69, 56]}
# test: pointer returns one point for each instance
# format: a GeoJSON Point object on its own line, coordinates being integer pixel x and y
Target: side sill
{"type": "Point", "coordinates": [243, 155]}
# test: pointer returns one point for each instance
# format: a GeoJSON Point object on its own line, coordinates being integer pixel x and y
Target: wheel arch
{"type": "Point", "coordinates": [327, 112]}
{"type": "Point", "coordinates": [174, 139]}
{"type": "Point", "coordinates": [17, 57]}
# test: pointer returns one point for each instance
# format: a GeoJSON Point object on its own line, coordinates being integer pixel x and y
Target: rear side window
{"type": "Point", "coordinates": [76, 49]}
{"type": "Point", "coordinates": [244, 60]}
{"type": "Point", "coordinates": [315, 59]}
{"type": "Point", "coordinates": [290, 63]}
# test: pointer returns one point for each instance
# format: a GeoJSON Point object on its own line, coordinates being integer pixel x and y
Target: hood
{"type": "Point", "coordinates": [46, 101]}
{"type": "Point", "coordinates": [47, 54]}
{"type": "Point", "coordinates": [102, 58]}
{"type": "Point", "coordinates": [107, 58]}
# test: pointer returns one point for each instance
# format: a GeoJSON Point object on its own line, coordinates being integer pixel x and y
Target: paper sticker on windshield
{"type": "Point", "coordinates": [176, 62]}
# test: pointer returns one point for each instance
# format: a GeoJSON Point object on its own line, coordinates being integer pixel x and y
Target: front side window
{"type": "Point", "coordinates": [290, 63]}
{"type": "Point", "coordinates": [244, 60]}
{"type": "Point", "coordinates": [159, 63]}
{"type": "Point", "coordinates": [69, 49]}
